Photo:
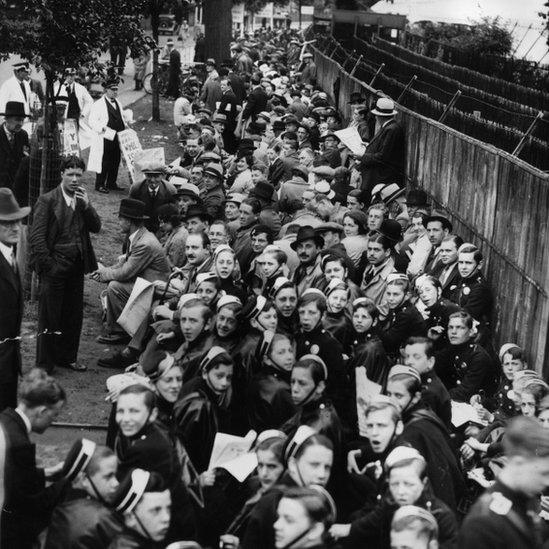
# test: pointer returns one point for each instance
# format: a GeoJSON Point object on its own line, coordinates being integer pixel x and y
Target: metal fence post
{"type": "Point", "coordinates": [528, 133]}
{"type": "Point", "coordinates": [381, 67]}
{"type": "Point", "coordinates": [408, 86]}
{"type": "Point", "coordinates": [449, 106]}
{"type": "Point", "coordinates": [356, 66]}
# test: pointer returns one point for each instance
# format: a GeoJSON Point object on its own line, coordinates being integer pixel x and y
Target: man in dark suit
{"type": "Point", "coordinates": [61, 253]}
{"type": "Point", "coordinates": [384, 159]}
{"type": "Point", "coordinates": [229, 107]}
{"type": "Point", "coordinates": [153, 191]}
{"type": "Point", "coordinates": [28, 504]}
{"type": "Point", "coordinates": [256, 101]}
{"type": "Point", "coordinates": [11, 295]}
{"type": "Point", "coordinates": [14, 142]}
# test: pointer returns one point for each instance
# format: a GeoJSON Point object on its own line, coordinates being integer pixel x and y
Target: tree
{"type": "Point", "coordinates": [57, 34]}
{"type": "Point", "coordinates": [488, 36]}
{"type": "Point", "coordinates": [218, 23]}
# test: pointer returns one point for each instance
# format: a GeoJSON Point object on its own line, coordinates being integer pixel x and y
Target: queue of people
{"type": "Point", "coordinates": [305, 299]}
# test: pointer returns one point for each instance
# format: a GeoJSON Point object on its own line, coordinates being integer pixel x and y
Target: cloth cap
{"type": "Point", "coordinates": [237, 198]}
{"type": "Point", "coordinates": [505, 348]}
{"type": "Point", "coordinates": [401, 453]}
{"type": "Point", "coordinates": [185, 298]}
{"type": "Point", "coordinates": [413, 511]}
{"type": "Point", "coordinates": [151, 166]}
{"type": "Point", "coordinates": [269, 434]}
{"type": "Point", "coordinates": [228, 300]}
{"type": "Point", "coordinates": [78, 458]}
{"type": "Point", "coordinates": [131, 490]}
{"type": "Point", "coordinates": [398, 369]}
{"type": "Point", "coordinates": [335, 284]}
{"type": "Point", "coordinates": [205, 277]}
{"type": "Point", "coordinates": [254, 307]}
{"type": "Point", "coordinates": [157, 364]}
{"type": "Point", "coordinates": [213, 353]}
{"type": "Point", "coordinates": [303, 433]}
{"type": "Point", "coordinates": [280, 283]}
{"type": "Point", "coordinates": [187, 189]}
{"type": "Point", "coordinates": [323, 187]}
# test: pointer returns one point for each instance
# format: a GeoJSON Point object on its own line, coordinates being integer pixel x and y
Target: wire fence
{"type": "Point", "coordinates": [503, 127]}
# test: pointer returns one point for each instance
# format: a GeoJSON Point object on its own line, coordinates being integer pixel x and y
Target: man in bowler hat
{"type": "Point", "coordinates": [61, 253]}
{"type": "Point", "coordinates": [14, 142]}
{"type": "Point", "coordinates": [11, 296]}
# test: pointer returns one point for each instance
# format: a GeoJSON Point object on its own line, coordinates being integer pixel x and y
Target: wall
{"type": "Point", "coordinates": [495, 200]}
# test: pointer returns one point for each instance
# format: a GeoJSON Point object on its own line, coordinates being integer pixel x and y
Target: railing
{"type": "Point", "coordinates": [494, 199]}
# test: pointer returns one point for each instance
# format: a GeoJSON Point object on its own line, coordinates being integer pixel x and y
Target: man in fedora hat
{"type": "Point", "coordinates": [153, 191]}
{"type": "Point", "coordinates": [14, 142]}
{"type": "Point", "coordinates": [145, 258]}
{"type": "Point", "coordinates": [17, 88]}
{"type": "Point", "coordinates": [265, 193]}
{"type": "Point", "coordinates": [308, 245]}
{"type": "Point", "coordinates": [11, 295]}
{"type": "Point", "coordinates": [106, 120]}
{"type": "Point", "coordinates": [384, 158]}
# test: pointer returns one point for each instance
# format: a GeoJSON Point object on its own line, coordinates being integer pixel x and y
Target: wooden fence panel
{"type": "Point", "coordinates": [495, 201]}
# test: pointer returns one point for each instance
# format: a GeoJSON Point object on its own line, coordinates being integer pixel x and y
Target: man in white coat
{"type": "Point", "coordinates": [106, 120]}
{"type": "Point", "coordinates": [17, 88]}
{"type": "Point", "coordinates": [80, 101]}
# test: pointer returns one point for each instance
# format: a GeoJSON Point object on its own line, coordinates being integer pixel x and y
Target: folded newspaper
{"type": "Point", "coordinates": [365, 391]}
{"type": "Point", "coordinates": [352, 140]}
{"type": "Point", "coordinates": [138, 306]}
{"type": "Point", "coordinates": [463, 413]}
{"type": "Point", "coordinates": [233, 454]}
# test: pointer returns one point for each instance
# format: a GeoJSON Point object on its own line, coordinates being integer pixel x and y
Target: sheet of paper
{"type": "Point", "coordinates": [463, 413]}
{"type": "Point", "coordinates": [130, 146]}
{"type": "Point", "coordinates": [138, 306]}
{"type": "Point", "coordinates": [365, 391]}
{"type": "Point", "coordinates": [241, 467]}
{"type": "Point", "coordinates": [352, 140]}
{"type": "Point", "coordinates": [229, 447]}
{"type": "Point", "coordinates": [109, 134]}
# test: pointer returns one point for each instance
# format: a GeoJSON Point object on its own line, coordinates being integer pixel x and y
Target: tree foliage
{"type": "Point", "coordinates": [489, 35]}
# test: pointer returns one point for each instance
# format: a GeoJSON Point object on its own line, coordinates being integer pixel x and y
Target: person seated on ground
{"type": "Point", "coordinates": [473, 293]}
{"type": "Point", "coordinates": [424, 431]}
{"type": "Point", "coordinates": [463, 366]}
{"type": "Point", "coordinates": [284, 296]}
{"type": "Point", "coordinates": [312, 338]}
{"type": "Point", "coordinates": [269, 400]}
{"type": "Point", "coordinates": [414, 527]}
{"type": "Point", "coordinates": [153, 191]}
{"type": "Point", "coordinates": [435, 309]}
{"type": "Point", "coordinates": [203, 407]}
{"type": "Point", "coordinates": [308, 458]}
{"type": "Point", "coordinates": [337, 319]}
{"type": "Point", "coordinates": [84, 518]}
{"type": "Point", "coordinates": [145, 258]}
{"type": "Point", "coordinates": [403, 319]}
{"type": "Point", "coordinates": [418, 353]}
{"type": "Point", "coordinates": [269, 449]}
{"type": "Point", "coordinates": [174, 234]}
{"type": "Point", "coordinates": [304, 518]}
{"type": "Point", "coordinates": [145, 505]}
{"type": "Point", "coordinates": [493, 520]}
{"type": "Point", "coordinates": [408, 484]}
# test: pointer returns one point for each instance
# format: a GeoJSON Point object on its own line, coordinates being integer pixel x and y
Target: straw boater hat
{"type": "Point", "coordinates": [384, 107]}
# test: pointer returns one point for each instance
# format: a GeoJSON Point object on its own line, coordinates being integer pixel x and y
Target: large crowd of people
{"type": "Point", "coordinates": [304, 299]}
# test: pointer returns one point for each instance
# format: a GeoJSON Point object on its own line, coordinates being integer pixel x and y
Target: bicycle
{"type": "Point", "coordinates": [162, 82]}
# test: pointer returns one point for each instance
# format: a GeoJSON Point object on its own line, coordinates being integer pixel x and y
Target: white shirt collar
{"type": "Point", "coordinates": [25, 419]}
{"type": "Point", "coordinates": [70, 200]}
{"type": "Point", "coordinates": [7, 252]}
{"type": "Point", "coordinates": [132, 237]}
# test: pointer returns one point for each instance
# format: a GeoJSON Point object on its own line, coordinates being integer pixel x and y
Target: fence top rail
{"type": "Point", "coordinates": [503, 154]}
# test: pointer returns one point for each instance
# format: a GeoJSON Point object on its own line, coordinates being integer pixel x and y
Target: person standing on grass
{"type": "Point", "coordinates": [61, 253]}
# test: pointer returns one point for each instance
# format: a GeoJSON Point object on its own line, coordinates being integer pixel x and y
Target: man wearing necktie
{"type": "Point", "coordinates": [17, 88]}
{"type": "Point", "coordinates": [11, 296]}
{"type": "Point", "coordinates": [61, 253]}
{"type": "Point", "coordinates": [106, 120]}
{"type": "Point", "coordinates": [79, 100]}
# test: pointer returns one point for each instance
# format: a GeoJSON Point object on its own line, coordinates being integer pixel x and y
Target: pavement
{"type": "Point", "coordinates": [126, 95]}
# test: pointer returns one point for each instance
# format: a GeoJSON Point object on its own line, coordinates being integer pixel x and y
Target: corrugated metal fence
{"type": "Point", "coordinates": [495, 200]}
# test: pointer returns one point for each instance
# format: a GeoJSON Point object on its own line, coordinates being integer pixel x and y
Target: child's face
{"type": "Point", "coordinates": [394, 295]}
{"type": "Point", "coordinates": [270, 265]}
{"type": "Point", "coordinates": [337, 301]}
{"type": "Point", "coordinates": [511, 366]}
{"type": "Point", "coordinates": [362, 320]}
{"type": "Point", "coordinates": [543, 417]}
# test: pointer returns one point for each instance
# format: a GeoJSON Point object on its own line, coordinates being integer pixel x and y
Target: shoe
{"type": "Point", "coordinates": [120, 359]}
{"type": "Point", "coordinates": [113, 339]}
{"type": "Point", "coordinates": [103, 190]}
{"type": "Point", "coordinates": [76, 367]}
{"type": "Point", "coordinates": [117, 188]}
